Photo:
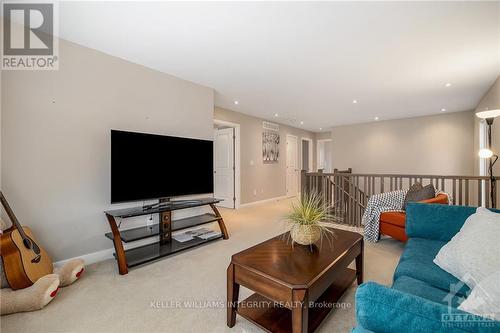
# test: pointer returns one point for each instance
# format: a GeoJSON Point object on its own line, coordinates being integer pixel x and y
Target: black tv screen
{"type": "Point", "coordinates": [148, 166]}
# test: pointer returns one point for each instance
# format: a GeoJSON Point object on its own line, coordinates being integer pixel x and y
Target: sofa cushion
{"type": "Point", "coordinates": [430, 273]}
{"type": "Point", "coordinates": [439, 222]}
{"type": "Point", "coordinates": [394, 231]}
{"type": "Point", "coordinates": [422, 249]}
{"type": "Point", "coordinates": [419, 288]}
{"type": "Point", "coordinates": [417, 262]}
{"type": "Point", "coordinates": [394, 218]}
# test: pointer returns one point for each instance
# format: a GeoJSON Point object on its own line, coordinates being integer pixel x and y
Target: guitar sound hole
{"type": "Point", "coordinates": [27, 243]}
{"type": "Point", "coordinates": [30, 245]}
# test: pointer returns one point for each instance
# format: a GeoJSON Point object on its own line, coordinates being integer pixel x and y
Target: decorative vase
{"type": "Point", "coordinates": [305, 234]}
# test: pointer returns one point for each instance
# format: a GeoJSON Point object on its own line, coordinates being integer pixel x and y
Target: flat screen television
{"type": "Point", "coordinates": [149, 166]}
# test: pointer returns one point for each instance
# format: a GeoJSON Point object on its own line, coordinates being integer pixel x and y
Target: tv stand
{"type": "Point", "coordinates": [166, 245]}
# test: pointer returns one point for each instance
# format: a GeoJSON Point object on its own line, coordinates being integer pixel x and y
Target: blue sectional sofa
{"type": "Point", "coordinates": [423, 297]}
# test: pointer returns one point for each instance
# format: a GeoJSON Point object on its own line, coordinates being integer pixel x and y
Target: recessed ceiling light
{"type": "Point", "coordinates": [443, 110]}
{"type": "Point", "coordinates": [354, 101]}
{"type": "Point", "coordinates": [302, 123]}
{"type": "Point", "coordinates": [275, 114]}
{"type": "Point", "coordinates": [377, 118]}
{"type": "Point", "coordinates": [320, 129]}
{"type": "Point", "coordinates": [236, 102]}
{"type": "Point", "coordinates": [447, 84]}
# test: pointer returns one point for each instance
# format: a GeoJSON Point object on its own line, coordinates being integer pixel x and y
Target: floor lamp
{"type": "Point", "coordinates": [487, 153]}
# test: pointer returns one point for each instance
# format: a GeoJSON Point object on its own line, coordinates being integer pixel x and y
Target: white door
{"type": "Point", "coordinates": [224, 166]}
{"type": "Point", "coordinates": [292, 172]}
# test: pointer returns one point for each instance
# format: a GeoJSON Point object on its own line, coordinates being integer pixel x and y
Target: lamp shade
{"type": "Point", "coordinates": [488, 114]}
{"type": "Point", "coordinates": [485, 153]}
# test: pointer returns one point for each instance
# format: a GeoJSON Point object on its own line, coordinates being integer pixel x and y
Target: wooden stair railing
{"type": "Point", "coordinates": [344, 197]}
{"type": "Point", "coordinates": [351, 200]}
{"type": "Point", "coordinates": [348, 193]}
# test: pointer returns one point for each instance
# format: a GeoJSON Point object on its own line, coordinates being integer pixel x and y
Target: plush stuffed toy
{"type": "Point", "coordinates": [31, 298]}
{"type": "Point", "coordinates": [42, 291]}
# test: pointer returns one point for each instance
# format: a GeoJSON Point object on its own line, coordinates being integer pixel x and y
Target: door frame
{"type": "Point", "coordinates": [310, 159]}
{"type": "Point", "coordinates": [297, 155]}
{"type": "Point", "coordinates": [237, 159]}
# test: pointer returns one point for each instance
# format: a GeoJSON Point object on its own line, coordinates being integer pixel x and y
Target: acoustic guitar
{"type": "Point", "coordinates": [24, 261]}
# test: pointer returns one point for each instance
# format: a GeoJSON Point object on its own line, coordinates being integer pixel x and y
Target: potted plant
{"type": "Point", "coordinates": [309, 220]}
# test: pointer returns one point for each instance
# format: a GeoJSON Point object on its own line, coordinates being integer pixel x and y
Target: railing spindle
{"type": "Point", "coordinates": [460, 192]}
{"type": "Point", "coordinates": [349, 186]}
{"type": "Point", "coordinates": [487, 202]}
{"type": "Point", "coordinates": [357, 205]}
{"type": "Point", "coordinates": [466, 192]}
{"type": "Point", "coordinates": [480, 192]}
{"type": "Point", "coordinates": [454, 194]}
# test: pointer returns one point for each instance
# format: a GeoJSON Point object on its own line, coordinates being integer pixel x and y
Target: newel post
{"type": "Point", "coordinates": [320, 183]}
{"type": "Point", "coordinates": [303, 182]}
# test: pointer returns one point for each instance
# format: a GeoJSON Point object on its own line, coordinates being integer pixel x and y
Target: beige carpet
{"type": "Point", "coordinates": [103, 301]}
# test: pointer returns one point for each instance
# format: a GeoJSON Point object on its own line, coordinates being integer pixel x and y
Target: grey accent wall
{"type": "Point", "coordinates": [441, 144]}
{"type": "Point", "coordinates": [268, 180]}
{"type": "Point", "coordinates": [56, 138]}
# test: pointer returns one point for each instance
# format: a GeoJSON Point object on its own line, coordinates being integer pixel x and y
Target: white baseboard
{"type": "Point", "coordinates": [90, 258]}
{"type": "Point", "coordinates": [102, 255]}
{"type": "Point", "coordinates": [263, 201]}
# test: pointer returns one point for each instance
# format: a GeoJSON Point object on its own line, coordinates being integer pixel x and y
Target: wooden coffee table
{"type": "Point", "coordinates": [295, 287]}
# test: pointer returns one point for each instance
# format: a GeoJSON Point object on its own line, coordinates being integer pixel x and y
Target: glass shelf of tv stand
{"type": "Point", "coordinates": [134, 234]}
{"type": "Point", "coordinates": [146, 253]}
{"type": "Point", "coordinates": [164, 207]}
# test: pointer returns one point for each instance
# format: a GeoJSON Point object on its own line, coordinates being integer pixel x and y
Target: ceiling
{"type": "Point", "coordinates": [307, 61]}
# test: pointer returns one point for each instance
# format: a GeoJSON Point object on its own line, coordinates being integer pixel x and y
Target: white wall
{"type": "Point", "coordinates": [440, 144]}
{"type": "Point", "coordinates": [55, 139]}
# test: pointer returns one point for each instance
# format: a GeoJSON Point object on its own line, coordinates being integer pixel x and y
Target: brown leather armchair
{"type": "Point", "coordinates": [393, 223]}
